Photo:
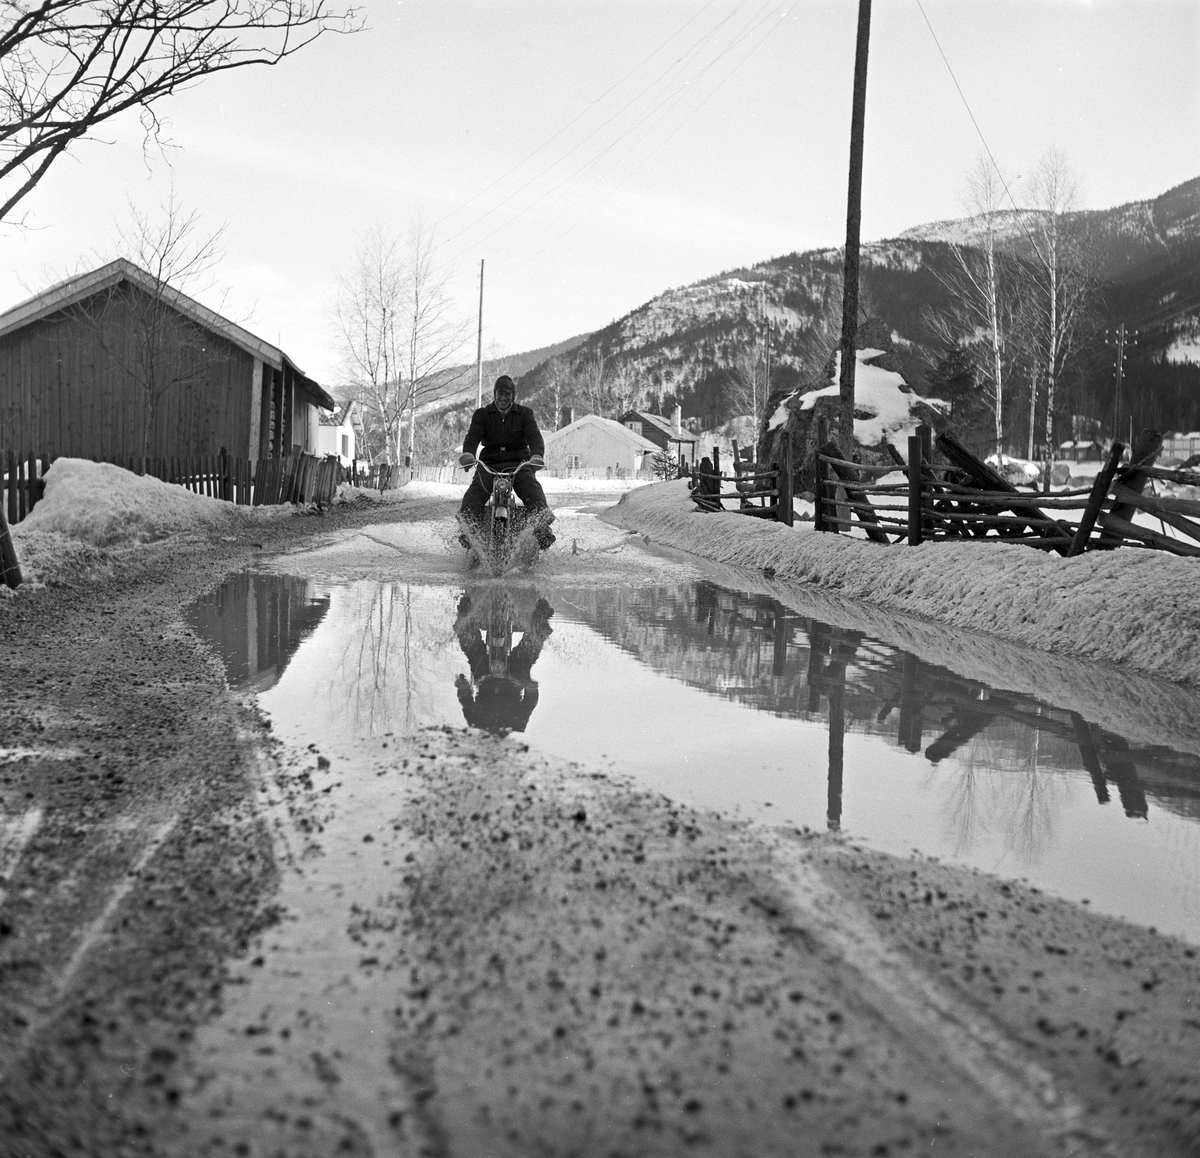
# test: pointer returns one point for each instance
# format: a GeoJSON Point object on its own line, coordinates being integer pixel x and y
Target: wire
{"type": "Point", "coordinates": [667, 104]}
{"type": "Point", "coordinates": [660, 108]}
{"type": "Point", "coordinates": [983, 140]}
{"type": "Point", "coordinates": [578, 145]}
{"type": "Point", "coordinates": [579, 116]}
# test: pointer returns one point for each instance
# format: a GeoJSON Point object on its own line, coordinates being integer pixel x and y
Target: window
{"type": "Point", "coordinates": [635, 426]}
{"type": "Point", "coordinates": [574, 462]}
{"type": "Point", "coordinates": [345, 446]}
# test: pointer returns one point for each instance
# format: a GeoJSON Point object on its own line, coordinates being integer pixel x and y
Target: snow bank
{"type": "Point", "coordinates": [1132, 607]}
{"type": "Point", "coordinates": [106, 506]}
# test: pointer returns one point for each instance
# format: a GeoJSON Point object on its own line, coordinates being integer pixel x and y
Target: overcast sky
{"type": "Point", "coordinates": [598, 152]}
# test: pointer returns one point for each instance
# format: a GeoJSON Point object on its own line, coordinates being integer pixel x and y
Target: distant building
{"type": "Point", "coordinates": [72, 376]}
{"type": "Point", "coordinates": [595, 447]}
{"type": "Point", "coordinates": [664, 433]}
{"type": "Point", "coordinates": [340, 431]}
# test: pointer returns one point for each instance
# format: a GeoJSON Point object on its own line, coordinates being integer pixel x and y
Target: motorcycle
{"type": "Point", "coordinates": [501, 539]}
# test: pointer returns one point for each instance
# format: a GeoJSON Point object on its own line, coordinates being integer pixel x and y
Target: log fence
{"type": "Point", "coordinates": [760, 490]}
{"type": "Point", "coordinates": [965, 499]}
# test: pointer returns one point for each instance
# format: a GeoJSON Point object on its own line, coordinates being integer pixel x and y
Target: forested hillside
{"type": "Point", "coordinates": [708, 346]}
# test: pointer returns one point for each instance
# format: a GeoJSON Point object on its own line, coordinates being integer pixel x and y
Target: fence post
{"type": "Point", "coordinates": [783, 510]}
{"type": "Point", "coordinates": [12, 486]}
{"type": "Point", "coordinates": [916, 450]}
{"type": "Point", "coordinates": [925, 434]}
{"type": "Point", "coordinates": [10, 569]}
{"type": "Point", "coordinates": [1096, 500]}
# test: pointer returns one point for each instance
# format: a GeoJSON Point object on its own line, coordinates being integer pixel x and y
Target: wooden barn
{"type": "Point", "coordinates": [115, 363]}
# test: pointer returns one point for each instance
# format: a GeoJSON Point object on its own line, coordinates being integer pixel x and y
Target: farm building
{"type": "Point", "coordinates": [114, 363]}
{"type": "Point", "coordinates": [340, 431]}
{"type": "Point", "coordinates": [599, 447]}
{"type": "Point", "coordinates": [667, 434]}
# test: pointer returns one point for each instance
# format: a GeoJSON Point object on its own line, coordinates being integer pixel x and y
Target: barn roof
{"type": "Point", "coordinates": [640, 443]}
{"type": "Point", "coordinates": [76, 289]}
{"type": "Point", "coordinates": [663, 424]}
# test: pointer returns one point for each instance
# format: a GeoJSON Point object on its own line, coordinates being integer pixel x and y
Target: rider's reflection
{"type": "Point", "coordinates": [501, 694]}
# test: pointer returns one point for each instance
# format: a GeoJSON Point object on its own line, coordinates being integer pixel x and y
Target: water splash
{"type": "Point", "coordinates": [521, 554]}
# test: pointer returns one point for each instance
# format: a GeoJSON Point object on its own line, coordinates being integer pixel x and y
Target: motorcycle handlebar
{"type": "Point", "coordinates": [505, 473]}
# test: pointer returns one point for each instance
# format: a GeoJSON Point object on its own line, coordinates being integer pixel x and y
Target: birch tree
{"type": "Point", "coordinates": [980, 290]}
{"type": "Point", "coordinates": [1060, 284]}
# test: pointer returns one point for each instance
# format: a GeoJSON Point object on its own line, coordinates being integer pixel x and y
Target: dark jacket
{"type": "Point", "coordinates": [507, 438]}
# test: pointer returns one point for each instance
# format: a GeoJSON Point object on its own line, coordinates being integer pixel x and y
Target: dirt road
{"type": "Point", "coordinates": [510, 956]}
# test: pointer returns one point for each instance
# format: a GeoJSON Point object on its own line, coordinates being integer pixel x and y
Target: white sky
{"type": "Point", "coordinates": [692, 137]}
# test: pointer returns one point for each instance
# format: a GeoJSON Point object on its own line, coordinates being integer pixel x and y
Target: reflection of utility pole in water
{"type": "Point", "coordinates": [837, 744]}
{"type": "Point", "coordinates": [910, 702]}
{"type": "Point", "coordinates": [831, 678]}
{"type": "Point", "coordinates": [783, 637]}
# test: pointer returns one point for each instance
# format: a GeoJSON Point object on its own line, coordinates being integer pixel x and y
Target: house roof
{"type": "Point", "coordinates": [76, 289]}
{"type": "Point", "coordinates": [607, 424]}
{"type": "Point", "coordinates": [664, 424]}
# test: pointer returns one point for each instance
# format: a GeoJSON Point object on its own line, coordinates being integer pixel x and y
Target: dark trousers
{"type": "Point", "coordinates": [525, 483]}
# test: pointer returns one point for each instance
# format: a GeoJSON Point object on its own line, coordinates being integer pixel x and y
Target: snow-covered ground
{"type": "Point", "coordinates": [1132, 607]}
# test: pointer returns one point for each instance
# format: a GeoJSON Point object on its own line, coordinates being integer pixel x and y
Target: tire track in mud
{"type": "Point", "coordinates": [534, 959]}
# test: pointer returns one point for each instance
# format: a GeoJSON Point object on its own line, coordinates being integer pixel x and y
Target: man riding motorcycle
{"type": "Point", "coordinates": [509, 434]}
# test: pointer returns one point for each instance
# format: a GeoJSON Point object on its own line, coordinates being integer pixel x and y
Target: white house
{"type": "Point", "coordinates": [338, 432]}
{"type": "Point", "coordinates": [598, 447]}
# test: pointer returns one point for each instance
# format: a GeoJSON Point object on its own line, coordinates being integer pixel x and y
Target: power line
{"type": "Point", "coordinates": [664, 141]}
{"type": "Point", "coordinates": [579, 116]}
{"type": "Point", "coordinates": [579, 144]}
{"type": "Point", "coordinates": [667, 104]}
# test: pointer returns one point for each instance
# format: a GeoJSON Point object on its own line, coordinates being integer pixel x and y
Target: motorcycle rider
{"type": "Point", "coordinates": [509, 434]}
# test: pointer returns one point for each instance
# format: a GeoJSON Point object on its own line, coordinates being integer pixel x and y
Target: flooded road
{"type": "Point", "coordinates": [730, 700]}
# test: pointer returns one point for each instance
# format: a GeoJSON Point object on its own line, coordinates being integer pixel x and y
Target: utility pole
{"type": "Point", "coordinates": [1124, 341]}
{"type": "Point", "coordinates": [479, 346]}
{"type": "Point", "coordinates": [853, 224]}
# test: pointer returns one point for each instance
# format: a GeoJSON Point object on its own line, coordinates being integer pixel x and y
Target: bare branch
{"type": "Point", "coordinates": [68, 66]}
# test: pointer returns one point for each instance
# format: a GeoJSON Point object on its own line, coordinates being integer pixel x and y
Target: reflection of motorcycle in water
{"type": "Point", "coordinates": [500, 694]}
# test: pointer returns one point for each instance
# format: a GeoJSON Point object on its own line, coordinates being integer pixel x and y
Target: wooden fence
{"type": "Point", "coordinates": [298, 478]}
{"type": "Point", "coordinates": [760, 490]}
{"type": "Point", "coordinates": [966, 499]}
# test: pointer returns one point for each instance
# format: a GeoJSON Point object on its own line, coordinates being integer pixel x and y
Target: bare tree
{"type": "Point", "coordinates": [141, 328]}
{"type": "Point", "coordinates": [369, 307]}
{"type": "Point", "coordinates": [981, 294]}
{"type": "Point", "coordinates": [399, 331]}
{"type": "Point", "coordinates": [69, 66]}
{"type": "Point", "coordinates": [433, 330]}
{"type": "Point", "coordinates": [1061, 286]}
{"type": "Point", "coordinates": [606, 386]}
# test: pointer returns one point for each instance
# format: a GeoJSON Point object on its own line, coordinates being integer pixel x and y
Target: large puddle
{"type": "Point", "coordinates": [732, 700]}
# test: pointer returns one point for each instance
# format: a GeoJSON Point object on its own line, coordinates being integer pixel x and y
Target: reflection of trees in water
{"type": "Point", "coordinates": [1009, 752]}
{"type": "Point", "coordinates": [385, 677]}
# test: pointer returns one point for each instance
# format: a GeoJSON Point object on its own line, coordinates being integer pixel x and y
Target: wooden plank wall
{"type": "Point", "coordinates": [62, 385]}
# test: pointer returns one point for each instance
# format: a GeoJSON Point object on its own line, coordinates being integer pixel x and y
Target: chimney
{"type": "Point", "coordinates": [566, 416]}
{"type": "Point", "coordinates": [677, 420]}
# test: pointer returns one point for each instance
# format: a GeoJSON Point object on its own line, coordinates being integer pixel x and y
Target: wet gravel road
{"type": "Point", "coordinates": [503, 954]}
